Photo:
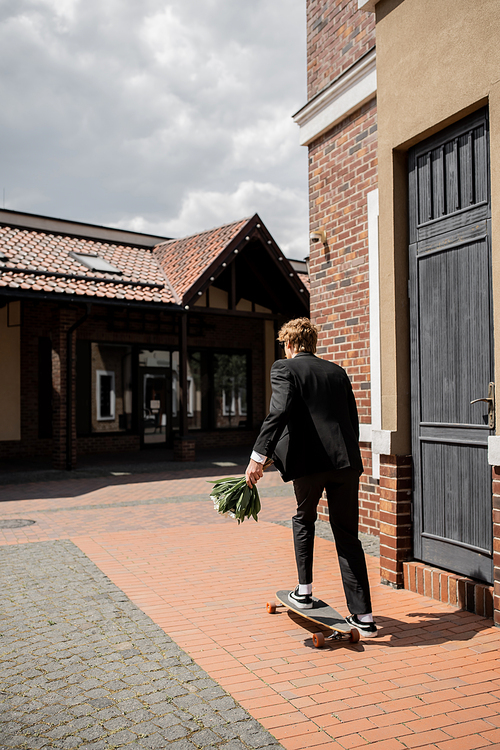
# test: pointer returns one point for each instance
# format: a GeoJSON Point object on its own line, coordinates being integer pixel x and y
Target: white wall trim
{"type": "Point", "coordinates": [374, 296]}
{"type": "Point", "coordinates": [365, 433]}
{"type": "Point", "coordinates": [382, 442]}
{"type": "Point", "coordinates": [368, 5]}
{"type": "Point", "coordinates": [356, 87]}
{"type": "Point", "coordinates": [112, 416]}
{"type": "Point", "coordinates": [494, 450]}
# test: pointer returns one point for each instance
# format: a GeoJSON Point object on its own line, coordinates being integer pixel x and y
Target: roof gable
{"type": "Point", "coordinates": [186, 260]}
{"type": "Point", "coordinates": [264, 274]}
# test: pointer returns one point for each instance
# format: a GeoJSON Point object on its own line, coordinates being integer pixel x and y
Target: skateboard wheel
{"type": "Point", "coordinates": [271, 607]}
{"type": "Point", "coordinates": [354, 638]}
{"type": "Point", "coordinates": [318, 640]}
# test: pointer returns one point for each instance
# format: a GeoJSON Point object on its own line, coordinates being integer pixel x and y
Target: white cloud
{"type": "Point", "coordinates": [207, 209]}
{"type": "Point", "coordinates": [168, 113]}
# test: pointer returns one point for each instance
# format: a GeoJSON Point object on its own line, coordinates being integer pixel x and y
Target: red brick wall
{"type": "Point", "coordinates": [337, 36]}
{"type": "Point", "coordinates": [342, 171]}
{"type": "Point", "coordinates": [396, 532]}
{"type": "Point", "coordinates": [369, 520]}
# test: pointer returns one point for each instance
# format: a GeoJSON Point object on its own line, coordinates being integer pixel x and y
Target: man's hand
{"type": "Point", "coordinates": [254, 472]}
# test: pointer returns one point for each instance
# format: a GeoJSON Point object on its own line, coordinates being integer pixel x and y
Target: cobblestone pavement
{"type": "Point", "coordinates": [82, 667]}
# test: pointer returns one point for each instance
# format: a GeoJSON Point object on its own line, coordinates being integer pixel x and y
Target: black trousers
{"type": "Point", "coordinates": [342, 492]}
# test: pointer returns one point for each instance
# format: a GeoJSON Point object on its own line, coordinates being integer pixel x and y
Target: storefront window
{"type": "Point", "coordinates": [154, 358]}
{"type": "Point", "coordinates": [194, 393]}
{"type": "Point", "coordinates": [111, 387]}
{"type": "Point", "coordinates": [230, 386]}
{"type": "Point", "coordinates": [106, 396]}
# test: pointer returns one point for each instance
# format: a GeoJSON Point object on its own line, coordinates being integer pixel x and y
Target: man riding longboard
{"type": "Point", "coordinates": [312, 434]}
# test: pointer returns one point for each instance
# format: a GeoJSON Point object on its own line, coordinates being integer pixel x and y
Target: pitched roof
{"type": "Point", "coordinates": [41, 261]}
{"type": "Point", "coordinates": [186, 259]}
{"type": "Point", "coordinates": [44, 259]}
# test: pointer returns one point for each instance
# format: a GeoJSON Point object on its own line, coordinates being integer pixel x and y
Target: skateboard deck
{"type": "Point", "coordinates": [321, 614]}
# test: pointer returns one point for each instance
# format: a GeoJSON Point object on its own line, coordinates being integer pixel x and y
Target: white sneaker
{"type": "Point", "coordinates": [302, 601]}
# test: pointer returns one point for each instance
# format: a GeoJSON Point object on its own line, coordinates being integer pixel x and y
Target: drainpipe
{"type": "Point", "coordinates": [69, 385]}
{"type": "Point", "coordinates": [183, 377]}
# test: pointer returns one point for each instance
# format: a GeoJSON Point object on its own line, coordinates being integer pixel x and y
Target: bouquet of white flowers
{"type": "Point", "coordinates": [235, 498]}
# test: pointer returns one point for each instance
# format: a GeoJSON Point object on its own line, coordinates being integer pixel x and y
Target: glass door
{"type": "Point", "coordinates": [155, 399]}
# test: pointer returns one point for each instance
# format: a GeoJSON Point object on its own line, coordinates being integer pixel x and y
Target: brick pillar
{"type": "Point", "coordinates": [496, 544]}
{"type": "Point", "coordinates": [395, 517]}
{"type": "Point", "coordinates": [63, 319]}
{"type": "Point", "coordinates": [184, 449]}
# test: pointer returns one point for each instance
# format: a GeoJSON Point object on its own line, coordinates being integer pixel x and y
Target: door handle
{"type": "Point", "coordinates": [490, 400]}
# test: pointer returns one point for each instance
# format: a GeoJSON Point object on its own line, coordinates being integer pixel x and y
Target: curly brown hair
{"type": "Point", "coordinates": [301, 334]}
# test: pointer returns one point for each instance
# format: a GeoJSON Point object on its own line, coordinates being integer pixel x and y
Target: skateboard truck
{"type": "Point", "coordinates": [321, 614]}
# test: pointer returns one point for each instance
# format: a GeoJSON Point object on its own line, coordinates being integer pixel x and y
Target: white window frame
{"type": "Point", "coordinates": [99, 374]}
{"type": "Point", "coordinates": [241, 409]}
{"type": "Point", "coordinates": [229, 410]}
{"type": "Point", "coordinates": [190, 396]}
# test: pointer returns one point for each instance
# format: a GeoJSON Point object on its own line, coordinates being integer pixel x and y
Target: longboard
{"type": "Point", "coordinates": [321, 614]}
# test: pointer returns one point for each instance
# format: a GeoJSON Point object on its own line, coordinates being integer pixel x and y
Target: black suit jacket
{"type": "Point", "coordinates": [312, 425]}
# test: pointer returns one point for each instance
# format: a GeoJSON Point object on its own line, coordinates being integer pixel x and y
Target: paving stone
{"type": "Point", "coordinates": [205, 737]}
{"type": "Point", "coordinates": [234, 714]}
{"type": "Point", "coordinates": [101, 702]}
{"type": "Point", "coordinates": [122, 738]}
{"type": "Point", "coordinates": [174, 733]}
{"type": "Point", "coordinates": [146, 728]}
{"type": "Point", "coordinates": [210, 693]}
{"type": "Point", "coordinates": [167, 721]}
{"type": "Point", "coordinates": [165, 707]}
{"type": "Point", "coordinates": [71, 688]}
{"type": "Point", "coordinates": [71, 742]}
{"type": "Point", "coordinates": [222, 704]}
{"type": "Point", "coordinates": [142, 714]}
{"type": "Point", "coordinates": [187, 701]}
{"type": "Point", "coordinates": [93, 733]}
{"type": "Point", "coordinates": [155, 742]}
{"type": "Point", "coordinates": [106, 714]}
{"type": "Point", "coordinates": [257, 739]}
{"type": "Point", "coordinates": [182, 745]}
{"type": "Point", "coordinates": [129, 705]}
{"type": "Point", "coordinates": [204, 683]}
{"type": "Point", "coordinates": [119, 722]}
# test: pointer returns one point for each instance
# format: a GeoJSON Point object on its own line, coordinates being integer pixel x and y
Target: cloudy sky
{"type": "Point", "coordinates": [161, 116]}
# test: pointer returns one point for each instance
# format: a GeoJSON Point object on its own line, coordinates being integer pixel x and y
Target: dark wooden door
{"type": "Point", "coordinates": [451, 347]}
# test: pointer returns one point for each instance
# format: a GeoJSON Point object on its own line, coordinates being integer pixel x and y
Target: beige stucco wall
{"type": "Point", "coordinates": [436, 62]}
{"type": "Point", "coordinates": [10, 374]}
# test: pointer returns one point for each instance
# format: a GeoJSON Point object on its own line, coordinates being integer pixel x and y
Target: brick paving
{"type": "Point", "coordinates": [431, 680]}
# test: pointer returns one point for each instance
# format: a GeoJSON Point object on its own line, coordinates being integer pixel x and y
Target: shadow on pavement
{"type": "Point", "coordinates": [100, 471]}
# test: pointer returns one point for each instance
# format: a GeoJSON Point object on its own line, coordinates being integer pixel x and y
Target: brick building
{"type": "Point", "coordinates": [164, 342]}
{"type": "Point", "coordinates": [402, 113]}
{"type": "Point", "coordinates": [339, 126]}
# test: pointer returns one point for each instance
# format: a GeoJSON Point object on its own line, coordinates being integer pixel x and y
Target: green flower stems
{"type": "Point", "coordinates": [233, 497]}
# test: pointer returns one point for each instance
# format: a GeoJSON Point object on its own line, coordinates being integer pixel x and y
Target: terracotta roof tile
{"type": "Point", "coordinates": [185, 260]}
{"type": "Point", "coordinates": [305, 281]}
{"type": "Point", "coordinates": [26, 250]}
